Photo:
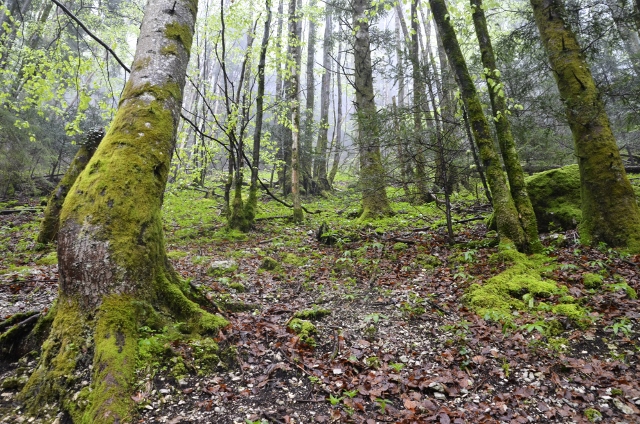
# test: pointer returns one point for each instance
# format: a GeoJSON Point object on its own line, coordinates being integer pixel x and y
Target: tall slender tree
{"type": "Point", "coordinates": [610, 212]}
{"type": "Point", "coordinates": [320, 161]}
{"type": "Point", "coordinates": [510, 157]}
{"type": "Point", "coordinates": [372, 175]}
{"type": "Point", "coordinates": [294, 101]}
{"type": "Point", "coordinates": [504, 209]}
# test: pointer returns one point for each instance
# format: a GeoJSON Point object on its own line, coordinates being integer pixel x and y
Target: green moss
{"type": "Point", "coordinates": [592, 281]}
{"type": "Point", "coordinates": [427, 261]}
{"type": "Point", "coordinates": [177, 254]}
{"type": "Point", "coordinates": [49, 259]}
{"type": "Point", "coordinates": [555, 196]}
{"type": "Point", "coordinates": [114, 361]}
{"type": "Point", "coordinates": [269, 264]}
{"type": "Point", "coordinates": [554, 328]}
{"type": "Point", "coordinates": [169, 49]}
{"type": "Point", "coordinates": [304, 329]}
{"type": "Point", "coordinates": [593, 415]}
{"type": "Point", "coordinates": [141, 64]}
{"type": "Point", "coordinates": [239, 287]}
{"type": "Point", "coordinates": [399, 247]}
{"type": "Point", "coordinates": [575, 313]}
{"type": "Point", "coordinates": [180, 33]}
{"type": "Point", "coordinates": [61, 351]}
{"type": "Point", "coordinates": [295, 260]}
{"type": "Point", "coordinates": [504, 292]}
{"type": "Point", "coordinates": [313, 313]}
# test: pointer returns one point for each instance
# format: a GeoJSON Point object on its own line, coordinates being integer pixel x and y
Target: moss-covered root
{"type": "Point", "coordinates": [237, 217]}
{"type": "Point", "coordinates": [64, 355]}
{"type": "Point", "coordinates": [51, 381]}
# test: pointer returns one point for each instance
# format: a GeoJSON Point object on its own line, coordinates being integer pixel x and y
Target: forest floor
{"type": "Point", "coordinates": [398, 343]}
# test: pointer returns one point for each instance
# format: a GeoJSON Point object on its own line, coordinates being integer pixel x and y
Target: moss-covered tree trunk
{"type": "Point", "coordinates": [294, 85]}
{"type": "Point", "coordinates": [338, 132]}
{"type": "Point", "coordinates": [320, 158]}
{"type": "Point", "coordinates": [497, 97]}
{"type": "Point", "coordinates": [50, 223]}
{"type": "Point", "coordinates": [372, 174]}
{"type": "Point", "coordinates": [306, 137]}
{"type": "Point", "coordinates": [504, 208]}
{"type": "Point", "coordinates": [609, 210]}
{"type": "Point", "coordinates": [113, 267]}
{"type": "Point", "coordinates": [252, 202]}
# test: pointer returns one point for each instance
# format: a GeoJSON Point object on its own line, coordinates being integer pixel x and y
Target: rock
{"type": "Point", "coordinates": [219, 268]}
{"type": "Point", "coordinates": [555, 196]}
{"type": "Point", "coordinates": [623, 407]}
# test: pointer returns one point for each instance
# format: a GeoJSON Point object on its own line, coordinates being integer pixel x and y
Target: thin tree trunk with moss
{"type": "Point", "coordinates": [294, 86]}
{"type": "Point", "coordinates": [610, 212]}
{"type": "Point", "coordinates": [418, 107]}
{"type": "Point", "coordinates": [51, 221]}
{"type": "Point", "coordinates": [306, 139]}
{"type": "Point", "coordinates": [320, 162]}
{"type": "Point", "coordinates": [372, 174]}
{"type": "Point", "coordinates": [403, 156]}
{"type": "Point", "coordinates": [252, 202]}
{"type": "Point", "coordinates": [114, 273]}
{"type": "Point", "coordinates": [503, 206]}
{"type": "Point", "coordinates": [338, 120]}
{"type": "Point", "coordinates": [497, 97]}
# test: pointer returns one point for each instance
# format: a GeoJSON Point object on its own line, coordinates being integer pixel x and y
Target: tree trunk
{"type": "Point", "coordinates": [403, 156]}
{"type": "Point", "coordinates": [609, 210]}
{"type": "Point", "coordinates": [338, 120]}
{"type": "Point", "coordinates": [372, 175]}
{"type": "Point", "coordinates": [252, 202]}
{"type": "Point", "coordinates": [114, 273]}
{"type": "Point", "coordinates": [630, 38]}
{"type": "Point", "coordinates": [306, 139]}
{"type": "Point", "coordinates": [504, 208]}
{"type": "Point", "coordinates": [320, 162]}
{"type": "Point", "coordinates": [294, 86]}
{"type": "Point", "coordinates": [51, 221]}
{"type": "Point", "coordinates": [497, 98]}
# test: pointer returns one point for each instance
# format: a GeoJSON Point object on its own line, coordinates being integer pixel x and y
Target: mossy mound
{"type": "Point", "coordinates": [555, 196]}
{"type": "Point", "coordinates": [505, 292]}
{"type": "Point", "coordinates": [304, 329]}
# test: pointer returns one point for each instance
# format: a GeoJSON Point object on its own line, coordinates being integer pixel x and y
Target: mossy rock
{"type": "Point", "coordinates": [220, 268]}
{"type": "Point", "coordinates": [269, 264]}
{"type": "Point", "coordinates": [555, 196]}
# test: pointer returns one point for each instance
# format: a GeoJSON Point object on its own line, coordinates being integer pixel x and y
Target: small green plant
{"type": "Point", "coordinates": [538, 326]}
{"type": "Point", "coordinates": [470, 255]}
{"type": "Point", "coordinates": [506, 368]}
{"type": "Point", "coordinates": [335, 400]}
{"type": "Point", "coordinates": [350, 393]}
{"type": "Point", "coordinates": [374, 317]}
{"type": "Point", "coordinates": [623, 326]}
{"type": "Point", "coordinates": [372, 362]}
{"type": "Point", "coordinates": [622, 285]}
{"type": "Point", "coordinates": [382, 403]}
{"type": "Point", "coordinates": [397, 367]}
{"type": "Point", "coordinates": [314, 379]}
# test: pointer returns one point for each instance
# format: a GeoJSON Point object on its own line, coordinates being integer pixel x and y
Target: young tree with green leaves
{"type": "Point", "coordinates": [610, 211]}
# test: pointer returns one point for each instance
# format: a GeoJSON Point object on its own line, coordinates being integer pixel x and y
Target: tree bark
{"type": "Point", "coordinates": [306, 157]}
{"type": "Point", "coordinates": [114, 273]}
{"type": "Point", "coordinates": [504, 208]}
{"type": "Point", "coordinates": [320, 162]}
{"type": "Point", "coordinates": [338, 119]}
{"type": "Point", "coordinates": [609, 210]}
{"type": "Point", "coordinates": [252, 202]}
{"type": "Point", "coordinates": [294, 86]}
{"type": "Point", "coordinates": [51, 222]}
{"type": "Point", "coordinates": [497, 97]}
{"type": "Point", "coordinates": [372, 175]}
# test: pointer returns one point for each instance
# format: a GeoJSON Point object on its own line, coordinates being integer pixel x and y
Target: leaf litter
{"type": "Point", "coordinates": [398, 346]}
